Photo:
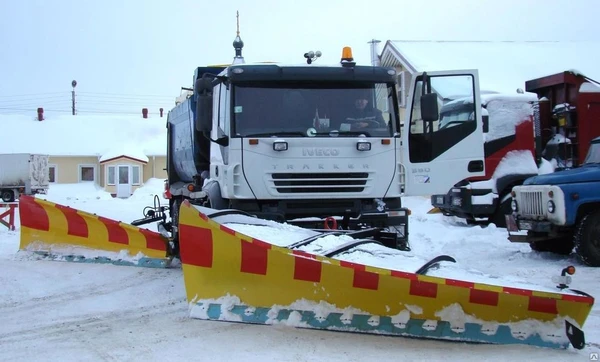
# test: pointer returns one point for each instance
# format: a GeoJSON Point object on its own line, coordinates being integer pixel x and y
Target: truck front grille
{"type": "Point", "coordinates": [287, 183]}
{"type": "Point", "coordinates": [531, 203]}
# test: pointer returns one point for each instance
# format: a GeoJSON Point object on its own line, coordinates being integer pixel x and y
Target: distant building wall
{"type": "Point", "coordinates": [156, 168]}
{"type": "Point", "coordinates": [74, 169]}
{"type": "Point", "coordinates": [136, 181]}
{"type": "Point", "coordinates": [71, 169]}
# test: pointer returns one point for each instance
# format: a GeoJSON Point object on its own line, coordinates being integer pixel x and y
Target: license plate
{"type": "Point", "coordinates": [525, 225]}
{"type": "Point", "coordinates": [439, 200]}
{"type": "Point", "coordinates": [511, 224]}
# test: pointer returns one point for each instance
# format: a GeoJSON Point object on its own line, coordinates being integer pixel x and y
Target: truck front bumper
{"type": "Point", "coordinates": [537, 230]}
{"type": "Point", "coordinates": [458, 202]}
{"type": "Point", "coordinates": [514, 224]}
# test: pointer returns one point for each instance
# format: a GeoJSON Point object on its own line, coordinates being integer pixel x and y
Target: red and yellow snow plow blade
{"type": "Point", "coordinates": [63, 233]}
{"type": "Point", "coordinates": [233, 277]}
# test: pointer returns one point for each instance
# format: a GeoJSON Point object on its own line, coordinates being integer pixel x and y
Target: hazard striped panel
{"type": "Point", "coordinates": [262, 275]}
{"type": "Point", "coordinates": [50, 227]}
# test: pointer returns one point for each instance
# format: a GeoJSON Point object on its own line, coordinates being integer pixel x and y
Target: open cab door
{"type": "Point", "coordinates": [442, 138]}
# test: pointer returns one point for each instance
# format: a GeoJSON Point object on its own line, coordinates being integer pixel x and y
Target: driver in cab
{"type": "Point", "coordinates": [364, 115]}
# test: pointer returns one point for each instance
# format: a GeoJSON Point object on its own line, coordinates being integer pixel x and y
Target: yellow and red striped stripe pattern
{"type": "Point", "coordinates": [218, 261]}
{"type": "Point", "coordinates": [46, 225]}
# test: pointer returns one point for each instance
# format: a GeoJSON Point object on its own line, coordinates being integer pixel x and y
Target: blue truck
{"type": "Point", "coordinates": [561, 210]}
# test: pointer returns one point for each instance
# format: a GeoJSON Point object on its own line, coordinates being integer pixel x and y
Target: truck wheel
{"type": "Point", "coordinates": [175, 222]}
{"type": "Point", "coordinates": [7, 196]}
{"type": "Point", "coordinates": [502, 209]}
{"type": "Point", "coordinates": [562, 246]}
{"type": "Point", "coordinates": [587, 239]}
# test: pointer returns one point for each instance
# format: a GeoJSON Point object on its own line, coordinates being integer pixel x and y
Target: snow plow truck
{"type": "Point", "coordinates": [260, 150]}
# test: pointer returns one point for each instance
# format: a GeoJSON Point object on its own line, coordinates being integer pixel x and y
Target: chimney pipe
{"type": "Point", "coordinates": [40, 112]}
{"type": "Point", "coordinates": [145, 112]}
{"type": "Point", "coordinates": [375, 61]}
{"type": "Point", "coordinates": [161, 112]}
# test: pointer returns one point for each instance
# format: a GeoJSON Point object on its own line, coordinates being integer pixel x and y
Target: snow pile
{"type": "Point", "coordinates": [85, 135]}
{"type": "Point", "coordinates": [83, 191]}
{"type": "Point", "coordinates": [60, 252]}
{"type": "Point", "coordinates": [153, 186]}
{"type": "Point", "coordinates": [516, 162]}
{"type": "Point", "coordinates": [588, 87]}
{"type": "Point", "coordinates": [506, 111]}
{"type": "Point", "coordinates": [129, 150]}
{"type": "Point", "coordinates": [546, 167]}
{"type": "Point", "coordinates": [550, 331]}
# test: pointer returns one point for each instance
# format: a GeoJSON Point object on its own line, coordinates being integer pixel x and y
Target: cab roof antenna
{"type": "Point", "coordinates": [238, 44]}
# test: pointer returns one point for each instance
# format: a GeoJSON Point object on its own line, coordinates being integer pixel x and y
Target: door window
{"type": "Point", "coordinates": [124, 175]}
{"type": "Point", "coordinates": [110, 175]}
{"type": "Point", "coordinates": [135, 175]}
{"type": "Point", "coordinates": [457, 118]}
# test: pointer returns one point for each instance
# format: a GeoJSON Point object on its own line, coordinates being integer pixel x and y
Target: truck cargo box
{"type": "Point", "coordinates": [22, 173]}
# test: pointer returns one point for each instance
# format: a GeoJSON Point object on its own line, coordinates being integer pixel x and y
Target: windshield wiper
{"type": "Point", "coordinates": [276, 134]}
{"type": "Point", "coordinates": [353, 133]}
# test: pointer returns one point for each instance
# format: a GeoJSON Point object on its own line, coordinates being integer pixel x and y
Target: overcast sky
{"type": "Point", "coordinates": [126, 54]}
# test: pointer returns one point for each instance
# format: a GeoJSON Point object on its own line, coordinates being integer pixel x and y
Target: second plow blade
{"type": "Point", "coordinates": [59, 232]}
{"type": "Point", "coordinates": [233, 277]}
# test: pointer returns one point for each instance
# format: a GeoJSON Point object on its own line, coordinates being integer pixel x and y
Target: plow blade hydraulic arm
{"type": "Point", "coordinates": [63, 233]}
{"type": "Point", "coordinates": [233, 277]}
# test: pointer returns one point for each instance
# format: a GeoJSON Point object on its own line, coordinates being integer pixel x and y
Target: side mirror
{"type": "Point", "coordinates": [486, 123]}
{"type": "Point", "coordinates": [203, 121]}
{"type": "Point", "coordinates": [429, 107]}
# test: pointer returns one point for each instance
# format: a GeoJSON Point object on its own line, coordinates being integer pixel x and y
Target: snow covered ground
{"type": "Point", "coordinates": [74, 312]}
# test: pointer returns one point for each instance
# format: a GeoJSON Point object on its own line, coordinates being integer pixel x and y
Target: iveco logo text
{"type": "Point", "coordinates": [321, 167]}
{"type": "Point", "coordinates": [320, 152]}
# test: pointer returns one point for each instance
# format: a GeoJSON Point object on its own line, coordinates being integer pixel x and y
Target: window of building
{"type": "Point", "coordinates": [135, 175]}
{"type": "Point", "coordinates": [87, 173]}
{"type": "Point", "coordinates": [52, 173]}
{"type": "Point", "coordinates": [110, 175]}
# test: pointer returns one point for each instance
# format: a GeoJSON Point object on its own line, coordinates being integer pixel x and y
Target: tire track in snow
{"type": "Point", "coordinates": [88, 291]}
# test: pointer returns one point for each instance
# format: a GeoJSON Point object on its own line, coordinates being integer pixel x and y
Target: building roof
{"type": "Point", "coordinates": [503, 66]}
{"type": "Point", "coordinates": [85, 135]}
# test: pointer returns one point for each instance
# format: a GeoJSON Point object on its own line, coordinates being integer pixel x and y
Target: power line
{"type": "Point", "coordinates": [126, 95]}
{"type": "Point", "coordinates": [78, 111]}
{"type": "Point", "coordinates": [31, 94]}
{"type": "Point", "coordinates": [30, 99]}
{"type": "Point", "coordinates": [34, 109]}
{"type": "Point", "coordinates": [123, 100]}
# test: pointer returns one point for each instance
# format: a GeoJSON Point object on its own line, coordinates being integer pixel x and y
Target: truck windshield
{"type": "Point", "coordinates": [593, 155]}
{"type": "Point", "coordinates": [312, 109]}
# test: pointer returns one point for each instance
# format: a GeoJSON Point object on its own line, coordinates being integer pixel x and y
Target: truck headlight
{"type": "Point", "coordinates": [514, 206]}
{"type": "Point", "coordinates": [551, 207]}
{"type": "Point", "coordinates": [456, 201]}
{"type": "Point", "coordinates": [363, 146]}
{"type": "Point", "coordinates": [280, 146]}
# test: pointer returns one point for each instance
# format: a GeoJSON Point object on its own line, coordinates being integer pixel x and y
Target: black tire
{"type": "Point", "coordinates": [502, 209]}
{"type": "Point", "coordinates": [587, 239]}
{"type": "Point", "coordinates": [7, 195]}
{"type": "Point", "coordinates": [562, 246]}
{"type": "Point", "coordinates": [174, 211]}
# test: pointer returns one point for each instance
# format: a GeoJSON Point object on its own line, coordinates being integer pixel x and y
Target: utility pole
{"type": "Point", "coordinates": [73, 84]}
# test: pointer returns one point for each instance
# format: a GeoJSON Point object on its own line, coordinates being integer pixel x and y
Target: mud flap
{"type": "Point", "coordinates": [59, 232]}
{"type": "Point", "coordinates": [575, 335]}
{"type": "Point", "coordinates": [233, 277]}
